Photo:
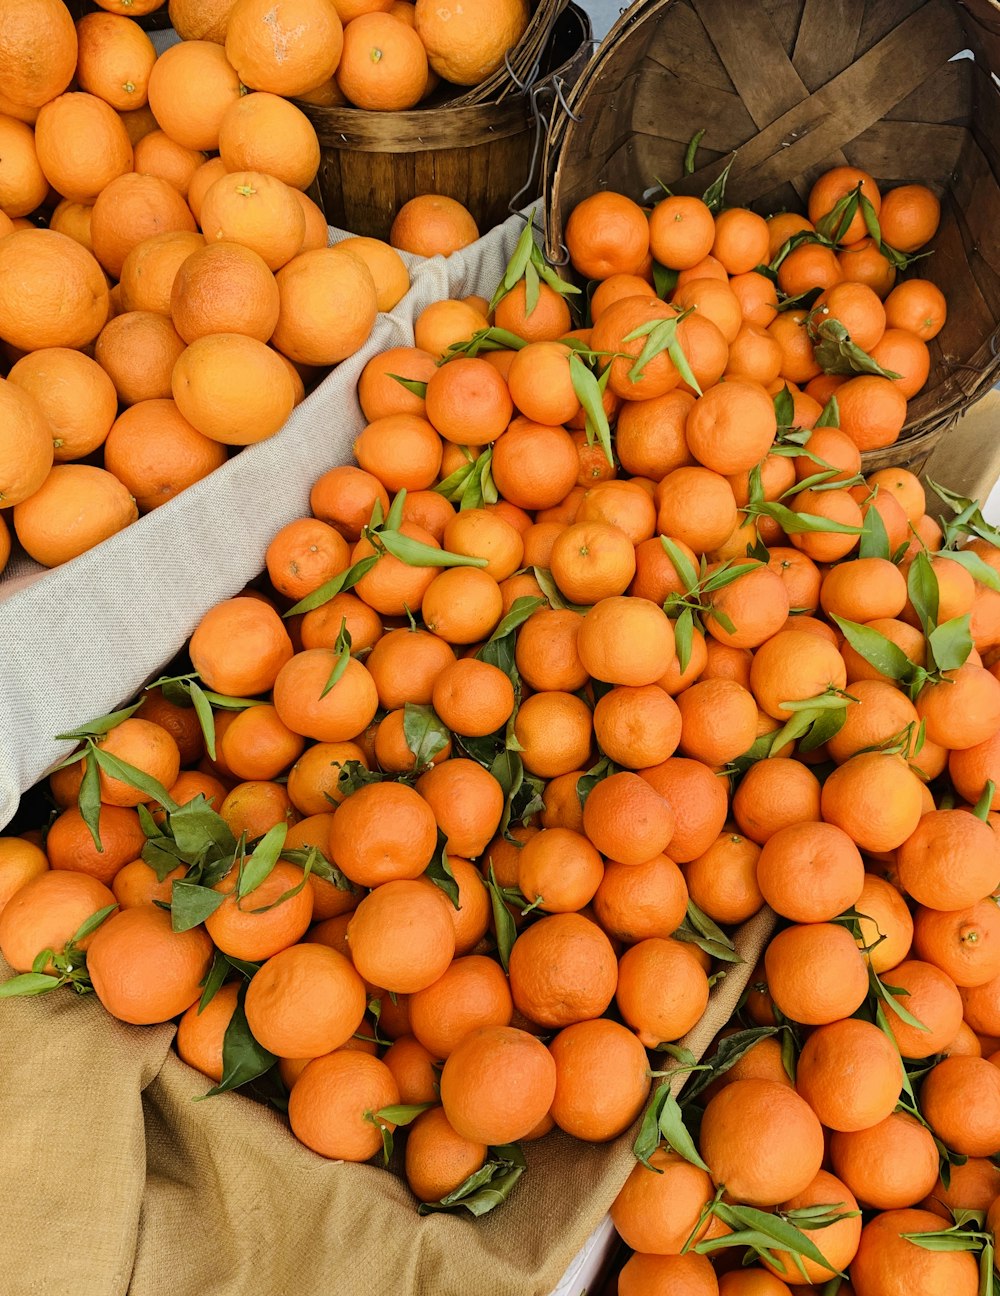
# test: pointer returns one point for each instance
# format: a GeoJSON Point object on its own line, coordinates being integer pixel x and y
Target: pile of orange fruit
{"type": "Point", "coordinates": [180, 297]}
{"type": "Point", "coordinates": [604, 642]}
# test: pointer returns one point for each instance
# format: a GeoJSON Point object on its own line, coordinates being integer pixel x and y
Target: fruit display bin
{"type": "Point", "coordinates": [272, 1216]}
{"type": "Point", "coordinates": [481, 153]}
{"type": "Point", "coordinates": [785, 91]}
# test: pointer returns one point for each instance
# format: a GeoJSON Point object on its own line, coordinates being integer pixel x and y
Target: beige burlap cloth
{"type": "Point", "coordinates": [114, 1180]}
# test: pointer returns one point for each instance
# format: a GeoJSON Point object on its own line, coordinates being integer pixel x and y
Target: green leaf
{"type": "Point", "coordinates": [874, 542]}
{"type": "Point", "coordinates": [191, 904]}
{"type": "Point", "coordinates": [982, 806]}
{"type": "Point", "coordinates": [520, 610]}
{"type": "Point", "coordinates": [945, 1240]}
{"type": "Point", "coordinates": [664, 280]}
{"type": "Point", "coordinates": [684, 637]}
{"type": "Point", "coordinates": [589, 394]}
{"type": "Point", "coordinates": [682, 565]}
{"type": "Point", "coordinates": [660, 335]}
{"type": "Point", "coordinates": [198, 830]}
{"type": "Point", "coordinates": [922, 587]}
{"type": "Point", "coordinates": [29, 983]}
{"type": "Point", "coordinates": [102, 725]}
{"type": "Point", "coordinates": [871, 220]}
{"type": "Point", "coordinates": [974, 565]}
{"type": "Point", "coordinates": [783, 1234]}
{"type": "Point", "coordinates": [950, 644]}
{"type": "Point", "coordinates": [876, 649]}
{"type": "Point", "coordinates": [503, 921]}
{"type": "Point", "coordinates": [648, 1138]}
{"type": "Point", "coordinates": [586, 783]}
{"type": "Point", "coordinates": [452, 486]}
{"type": "Point", "coordinates": [837, 354]}
{"type": "Point", "coordinates": [834, 225]}
{"type": "Point", "coordinates": [424, 733]}
{"type": "Point", "coordinates": [891, 996]}
{"type": "Point", "coordinates": [729, 1052]}
{"type": "Point", "coordinates": [141, 781]}
{"type": "Point", "coordinates": [968, 518]}
{"type": "Point", "coordinates": [784, 408]}
{"type": "Point", "coordinates": [394, 518]}
{"type": "Point", "coordinates": [514, 271]}
{"type": "Point", "coordinates": [676, 353]}
{"type": "Point", "coordinates": [531, 288]}
{"type": "Point", "coordinates": [417, 554]}
{"type": "Point", "coordinates": [403, 1113]}
{"type": "Point", "coordinates": [412, 385]}
{"type": "Point", "coordinates": [89, 797]}
{"type": "Point", "coordinates": [487, 1188]}
{"type": "Point", "coordinates": [343, 581]}
{"type": "Point", "coordinates": [794, 523]}
{"type": "Point", "coordinates": [214, 980]}
{"type": "Point", "coordinates": [714, 196]}
{"type": "Point", "coordinates": [488, 339]}
{"type": "Point", "coordinates": [260, 864]}
{"type": "Point", "coordinates": [831, 414]}
{"type": "Point", "coordinates": [698, 929]}
{"type": "Point", "coordinates": [671, 1126]}
{"type": "Point", "coordinates": [206, 717]}
{"type": "Point", "coordinates": [691, 151]}
{"type": "Point", "coordinates": [243, 1059]}
{"type": "Point", "coordinates": [551, 591]}
{"type": "Point", "coordinates": [823, 728]}
{"type": "Point", "coordinates": [92, 923]}
{"type": "Point", "coordinates": [439, 871]}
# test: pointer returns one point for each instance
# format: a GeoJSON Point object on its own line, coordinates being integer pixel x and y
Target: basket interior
{"type": "Point", "coordinates": [901, 88]}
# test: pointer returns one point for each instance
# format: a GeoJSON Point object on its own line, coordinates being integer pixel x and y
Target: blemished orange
{"type": "Point", "coordinates": [201, 1031]}
{"type": "Point", "coordinates": [762, 1140]}
{"type": "Point", "coordinates": [61, 297]}
{"type": "Point", "coordinates": [384, 831]}
{"type": "Point", "coordinates": [889, 1264]}
{"type": "Point", "coordinates": [45, 912]}
{"type": "Point", "coordinates": [142, 970]}
{"type": "Point", "coordinates": [662, 990]}
{"type": "Point", "coordinates": [329, 1101]}
{"type": "Point", "coordinates": [305, 1001]}
{"type": "Point", "coordinates": [497, 1084]}
{"type": "Point", "coordinates": [438, 1159]}
{"type": "Point", "coordinates": [263, 132]}
{"type": "Point", "coordinates": [608, 234]}
{"type": "Point", "coordinates": [562, 970]}
{"type": "Point", "coordinates": [433, 225]}
{"type": "Point", "coordinates": [656, 1213]}
{"type": "Point", "coordinates": [850, 1073]}
{"type": "Point", "coordinates": [810, 872]}
{"type": "Point", "coordinates": [75, 507]}
{"type": "Point", "coordinates": [890, 1165]}
{"type": "Point", "coordinates": [287, 51]}
{"type": "Point", "coordinates": [156, 453]}
{"type": "Point", "coordinates": [383, 66]}
{"type": "Point", "coordinates": [681, 232]}
{"type": "Point", "coordinates": [635, 902]}
{"type": "Point", "coordinates": [930, 996]}
{"type": "Point", "coordinates": [602, 1079]}
{"type": "Point", "coordinates": [471, 993]}
{"type": "Point", "coordinates": [816, 973]}
{"type": "Point", "coordinates": [401, 936]}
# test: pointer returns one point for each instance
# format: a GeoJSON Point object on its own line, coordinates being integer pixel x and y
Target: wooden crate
{"type": "Point", "coordinates": [792, 88]}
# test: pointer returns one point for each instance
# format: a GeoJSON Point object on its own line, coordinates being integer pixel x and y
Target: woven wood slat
{"type": "Point", "coordinates": [817, 58]}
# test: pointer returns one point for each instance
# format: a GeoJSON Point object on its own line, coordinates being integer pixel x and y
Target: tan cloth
{"type": "Point", "coordinates": [116, 1182]}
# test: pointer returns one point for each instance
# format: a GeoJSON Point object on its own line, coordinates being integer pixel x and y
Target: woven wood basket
{"type": "Point", "coordinates": [794, 87]}
{"type": "Point", "coordinates": [483, 154]}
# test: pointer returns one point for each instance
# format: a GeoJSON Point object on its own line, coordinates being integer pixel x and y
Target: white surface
{"type": "Point", "coordinates": [586, 1268]}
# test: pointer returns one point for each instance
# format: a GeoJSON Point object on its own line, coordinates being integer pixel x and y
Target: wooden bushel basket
{"type": "Point", "coordinates": [794, 87]}
{"type": "Point", "coordinates": [481, 154]}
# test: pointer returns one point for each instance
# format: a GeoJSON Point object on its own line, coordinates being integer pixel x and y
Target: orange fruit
{"type": "Point", "coordinates": [699, 802]}
{"type": "Point", "coordinates": [287, 52]}
{"type": "Point", "coordinates": [439, 1160]}
{"type": "Point", "coordinates": [401, 936]}
{"type": "Point", "coordinates": [263, 132]}
{"type": "Point", "coordinates": [562, 970]}
{"type": "Point", "coordinates": [837, 1243]}
{"type": "Point", "coordinates": [560, 869]}
{"type": "Point", "coordinates": [473, 698]}
{"type": "Point", "coordinates": [467, 802]}
{"type": "Point", "coordinates": [856, 307]}
{"type": "Point", "coordinates": [909, 217]}
{"type": "Point", "coordinates": [930, 996]}
{"type": "Point", "coordinates": [534, 466]}
{"type": "Point", "coordinates": [482, 533]}
{"type": "Point", "coordinates": [731, 427]}
{"type": "Point", "coordinates": [232, 388]}
{"type": "Point", "coordinates": [261, 213]}
{"type": "Point", "coordinates": [74, 394]}
{"type": "Point", "coordinates": [888, 1165]}
{"type": "Point", "coordinates": [950, 861]}
{"type": "Point", "coordinates": [626, 819]}
{"type": "Point", "coordinates": [888, 1264]}
{"type": "Point", "coordinates": [741, 240]}
{"type": "Point", "coordinates": [963, 710]}
{"type": "Point", "coordinates": [872, 411]}
{"type": "Point", "coordinates": [138, 350]}
{"type": "Point", "coordinates": [380, 394]}
{"type": "Point", "coordinates": [131, 209]}
{"type": "Point", "coordinates": [114, 59]}
{"type": "Point", "coordinates": [635, 902]}
{"type": "Point", "coordinates": [960, 1099]}
{"type": "Point", "coordinates": [626, 641]}
{"type": "Point", "coordinates": [304, 555]}
{"type": "Point", "coordinates": [45, 912]}
{"type": "Point", "coordinates": [70, 846]}
{"type": "Point", "coordinates": [792, 666]}
{"type": "Point", "coordinates": [863, 262]}
{"type": "Point", "coordinates": [71, 219]}
{"type": "Point", "coordinates": [462, 605]}
{"type": "Point", "coordinates": [155, 453]}
{"type": "Point", "coordinates": [608, 234]}
{"type": "Point", "coordinates": [497, 1084]}
{"type": "Point", "coordinates": [143, 971]}
{"type": "Point", "coordinates": [239, 646]}
{"type": "Point", "coordinates": [602, 1079]}
{"type": "Point", "coordinates": [149, 270]}
{"type": "Point", "coordinates": [20, 862]}
{"type": "Point", "coordinates": [773, 795]}
{"type": "Point", "coordinates": [723, 880]}
{"type": "Point", "coordinates": [156, 154]}
{"type": "Point", "coordinates": [336, 716]}
{"type": "Point", "coordinates": [554, 729]}
{"type": "Point", "coordinates": [147, 747]}
{"type": "Point", "coordinates": [810, 872]}
{"type": "Point", "coordinates": [875, 798]}
{"type": "Point", "coordinates": [816, 973]}
{"type": "Point", "coordinates": [762, 1141]}
{"type": "Point", "coordinates": [898, 351]}
{"type": "Point", "coordinates": [962, 943]}
{"type": "Point", "coordinates": [681, 232]}
{"type": "Point", "coordinates": [224, 288]}
{"type": "Point", "coordinates": [305, 1001]}
{"type": "Point", "coordinates": [52, 291]}
{"type": "Point", "coordinates": [39, 52]}
{"type": "Point", "coordinates": [75, 508]}
{"type": "Point", "coordinates": [637, 727]}
{"type": "Point", "coordinates": [836, 184]}
{"type": "Point", "coordinates": [548, 320]}
{"type": "Point", "coordinates": [918, 306]}
{"type": "Point", "coordinates": [850, 1073]}
{"type": "Point", "coordinates": [433, 225]}
{"type": "Point", "coordinates": [382, 832]}
{"type": "Point", "coordinates": [384, 65]}
{"type": "Point", "coordinates": [328, 305]}
{"type": "Point", "coordinates": [809, 266]}
{"type": "Point", "coordinates": [137, 884]}
{"type": "Point", "coordinates": [200, 1034]}
{"type": "Point", "coordinates": [697, 506]}
{"type": "Point", "coordinates": [329, 1101]}
{"type": "Point", "coordinates": [471, 994]}
{"type": "Point", "coordinates": [718, 721]}
{"type": "Point", "coordinates": [752, 1281]}
{"type": "Point", "coordinates": [886, 924]}
{"type": "Point", "coordinates": [392, 281]}
{"type": "Point", "coordinates": [23, 184]}
{"type": "Point", "coordinates": [662, 990]}
{"type": "Point", "coordinates": [656, 1213]}
{"type": "Point", "coordinates": [255, 807]}
{"type": "Point", "coordinates": [27, 445]}
{"type": "Point", "coordinates": [257, 746]}
{"type": "Point", "coordinates": [405, 664]}
{"type": "Point", "coordinates": [467, 402]}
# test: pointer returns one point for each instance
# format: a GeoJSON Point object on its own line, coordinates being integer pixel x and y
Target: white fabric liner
{"type": "Point", "coordinates": [80, 640]}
